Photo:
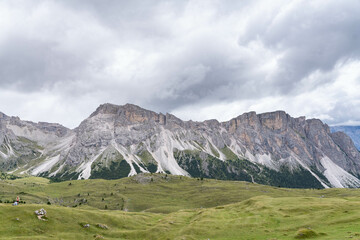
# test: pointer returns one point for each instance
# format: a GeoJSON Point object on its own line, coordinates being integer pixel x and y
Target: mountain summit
{"type": "Point", "coordinates": [119, 141]}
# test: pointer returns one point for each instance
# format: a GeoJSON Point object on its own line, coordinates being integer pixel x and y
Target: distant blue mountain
{"type": "Point", "coordinates": [351, 131]}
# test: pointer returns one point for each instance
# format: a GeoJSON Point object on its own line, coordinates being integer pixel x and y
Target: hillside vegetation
{"type": "Point", "coordinates": [155, 206]}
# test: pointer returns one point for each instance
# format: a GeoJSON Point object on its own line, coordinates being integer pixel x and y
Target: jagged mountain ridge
{"type": "Point", "coordinates": [118, 141]}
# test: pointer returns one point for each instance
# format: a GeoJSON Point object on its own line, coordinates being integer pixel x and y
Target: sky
{"type": "Point", "coordinates": [59, 60]}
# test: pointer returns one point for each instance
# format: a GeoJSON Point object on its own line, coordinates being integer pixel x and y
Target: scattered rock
{"type": "Point", "coordinates": [17, 219]}
{"type": "Point", "coordinates": [86, 225]}
{"type": "Point", "coordinates": [103, 226]}
{"type": "Point", "coordinates": [98, 236]}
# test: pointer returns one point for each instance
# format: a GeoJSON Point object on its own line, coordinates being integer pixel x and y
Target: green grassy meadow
{"type": "Point", "coordinates": [160, 206]}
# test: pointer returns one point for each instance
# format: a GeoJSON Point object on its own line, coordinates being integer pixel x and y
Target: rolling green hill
{"type": "Point", "coordinates": [155, 206]}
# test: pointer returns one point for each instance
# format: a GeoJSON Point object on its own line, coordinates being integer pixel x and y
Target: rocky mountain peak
{"type": "Point", "coordinates": [106, 108]}
{"type": "Point", "coordinates": [277, 120]}
{"type": "Point", "coordinates": [109, 108]}
{"type": "Point", "coordinates": [129, 113]}
{"type": "Point", "coordinates": [55, 128]}
{"type": "Point", "coordinates": [2, 115]}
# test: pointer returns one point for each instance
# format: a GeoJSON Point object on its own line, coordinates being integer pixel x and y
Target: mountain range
{"type": "Point", "coordinates": [119, 141]}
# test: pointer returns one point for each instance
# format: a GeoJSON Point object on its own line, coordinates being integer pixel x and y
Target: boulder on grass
{"type": "Point", "coordinates": [41, 214]}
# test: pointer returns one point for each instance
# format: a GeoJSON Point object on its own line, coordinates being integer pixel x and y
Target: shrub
{"type": "Point", "coordinates": [303, 233]}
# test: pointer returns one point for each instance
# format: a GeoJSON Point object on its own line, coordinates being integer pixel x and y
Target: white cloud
{"type": "Point", "coordinates": [197, 59]}
{"type": "Point", "coordinates": [334, 101]}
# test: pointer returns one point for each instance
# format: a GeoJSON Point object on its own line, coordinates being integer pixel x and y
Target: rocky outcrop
{"type": "Point", "coordinates": [116, 141]}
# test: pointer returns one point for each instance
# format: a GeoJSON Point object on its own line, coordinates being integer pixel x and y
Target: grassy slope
{"type": "Point", "coordinates": [174, 208]}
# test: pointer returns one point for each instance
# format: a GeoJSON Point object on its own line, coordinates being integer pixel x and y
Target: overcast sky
{"type": "Point", "coordinates": [198, 59]}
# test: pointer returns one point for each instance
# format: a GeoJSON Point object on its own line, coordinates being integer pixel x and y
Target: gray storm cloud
{"type": "Point", "coordinates": [196, 59]}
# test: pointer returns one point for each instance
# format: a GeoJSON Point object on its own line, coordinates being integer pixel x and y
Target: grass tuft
{"type": "Point", "coordinates": [304, 233]}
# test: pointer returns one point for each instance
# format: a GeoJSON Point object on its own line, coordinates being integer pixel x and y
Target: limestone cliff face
{"type": "Point", "coordinates": [117, 141]}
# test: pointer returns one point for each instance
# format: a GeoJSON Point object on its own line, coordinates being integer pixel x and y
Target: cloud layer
{"type": "Point", "coordinates": [197, 59]}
